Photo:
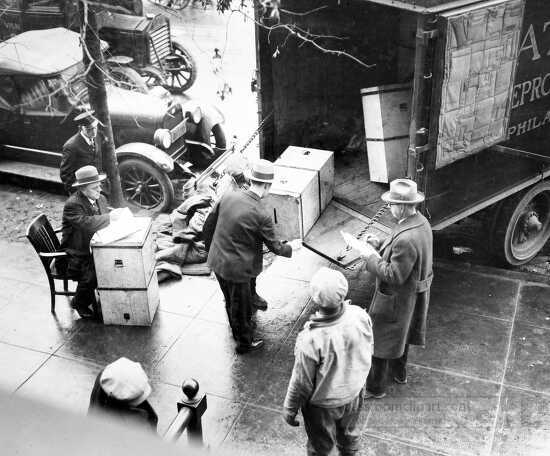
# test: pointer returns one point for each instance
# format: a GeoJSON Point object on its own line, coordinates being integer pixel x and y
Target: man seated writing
{"type": "Point", "coordinates": [85, 212]}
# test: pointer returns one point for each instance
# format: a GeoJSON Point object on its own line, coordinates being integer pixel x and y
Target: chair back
{"type": "Point", "coordinates": [43, 238]}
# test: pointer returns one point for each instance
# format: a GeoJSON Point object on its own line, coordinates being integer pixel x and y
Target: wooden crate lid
{"type": "Point", "coordinates": [304, 157]}
{"type": "Point", "coordinates": [136, 239]}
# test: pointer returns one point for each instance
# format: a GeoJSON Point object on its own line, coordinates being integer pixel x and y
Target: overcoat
{"type": "Point", "coordinates": [76, 154]}
{"type": "Point", "coordinates": [234, 232]}
{"type": "Point", "coordinates": [79, 224]}
{"type": "Point", "coordinates": [404, 275]}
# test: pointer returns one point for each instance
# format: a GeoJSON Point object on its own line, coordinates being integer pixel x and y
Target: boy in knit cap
{"type": "Point", "coordinates": [332, 359]}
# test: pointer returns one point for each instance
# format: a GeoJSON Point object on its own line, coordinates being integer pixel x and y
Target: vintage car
{"type": "Point", "coordinates": [42, 89]}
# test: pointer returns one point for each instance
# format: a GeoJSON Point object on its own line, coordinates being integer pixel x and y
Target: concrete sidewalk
{"type": "Point", "coordinates": [479, 388]}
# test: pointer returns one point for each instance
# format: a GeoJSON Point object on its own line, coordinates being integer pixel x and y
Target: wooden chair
{"type": "Point", "coordinates": [44, 240]}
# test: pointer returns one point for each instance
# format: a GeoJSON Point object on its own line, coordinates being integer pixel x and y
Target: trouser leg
{"type": "Point", "coordinates": [238, 305]}
{"type": "Point", "coordinates": [320, 430]}
{"type": "Point", "coordinates": [348, 432]}
{"type": "Point", "coordinates": [378, 376]}
{"type": "Point", "coordinates": [399, 365]}
{"type": "Point", "coordinates": [227, 297]}
{"type": "Point", "coordinates": [87, 283]}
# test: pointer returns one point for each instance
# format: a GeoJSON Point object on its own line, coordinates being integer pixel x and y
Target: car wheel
{"type": "Point", "coordinates": [127, 78]}
{"type": "Point", "coordinates": [152, 76]}
{"type": "Point", "coordinates": [180, 69]}
{"type": "Point", "coordinates": [144, 186]}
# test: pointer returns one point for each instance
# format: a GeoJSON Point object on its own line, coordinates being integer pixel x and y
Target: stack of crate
{"type": "Point", "coordinates": [126, 278]}
{"type": "Point", "coordinates": [302, 188]}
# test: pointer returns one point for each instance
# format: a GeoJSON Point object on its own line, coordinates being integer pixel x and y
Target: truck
{"type": "Point", "coordinates": [474, 79]}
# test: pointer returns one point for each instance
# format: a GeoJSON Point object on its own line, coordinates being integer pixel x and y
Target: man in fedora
{"type": "Point", "coordinates": [85, 212]}
{"type": "Point", "coordinates": [402, 265]}
{"type": "Point", "coordinates": [80, 150]}
{"type": "Point", "coordinates": [234, 232]}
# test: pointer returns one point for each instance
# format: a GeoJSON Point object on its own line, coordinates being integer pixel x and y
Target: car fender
{"type": "Point", "coordinates": [148, 152]}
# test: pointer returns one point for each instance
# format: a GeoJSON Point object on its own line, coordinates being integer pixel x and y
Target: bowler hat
{"type": "Point", "coordinates": [403, 191]}
{"type": "Point", "coordinates": [86, 118]}
{"type": "Point", "coordinates": [262, 171]}
{"type": "Point", "coordinates": [125, 381]}
{"type": "Point", "coordinates": [87, 175]}
{"type": "Point", "coordinates": [328, 288]}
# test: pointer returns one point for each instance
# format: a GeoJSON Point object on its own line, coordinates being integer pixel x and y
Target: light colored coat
{"type": "Point", "coordinates": [404, 274]}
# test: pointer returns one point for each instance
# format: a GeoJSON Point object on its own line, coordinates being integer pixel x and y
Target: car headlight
{"type": "Point", "coordinates": [163, 138]}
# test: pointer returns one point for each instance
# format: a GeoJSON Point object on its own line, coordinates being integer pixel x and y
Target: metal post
{"type": "Point", "coordinates": [190, 411]}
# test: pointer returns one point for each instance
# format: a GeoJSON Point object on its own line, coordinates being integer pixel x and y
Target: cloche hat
{"type": "Point", "coordinates": [403, 191]}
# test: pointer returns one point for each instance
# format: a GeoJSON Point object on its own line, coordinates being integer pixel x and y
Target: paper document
{"type": "Point", "coordinates": [362, 247]}
{"type": "Point", "coordinates": [123, 226]}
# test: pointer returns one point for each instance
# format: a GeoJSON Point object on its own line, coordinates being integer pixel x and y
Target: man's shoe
{"type": "Point", "coordinates": [85, 313]}
{"type": "Point", "coordinates": [254, 345]}
{"type": "Point", "coordinates": [400, 381]}
{"type": "Point", "coordinates": [260, 303]}
{"type": "Point", "coordinates": [370, 395]}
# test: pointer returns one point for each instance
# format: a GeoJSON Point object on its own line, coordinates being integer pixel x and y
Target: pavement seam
{"type": "Point", "coordinates": [409, 443]}
{"type": "Point", "coordinates": [33, 373]}
{"type": "Point", "coordinates": [526, 390]}
{"type": "Point", "coordinates": [234, 423]}
{"type": "Point", "coordinates": [454, 373]}
{"type": "Point", "coordinates": [506, 360]}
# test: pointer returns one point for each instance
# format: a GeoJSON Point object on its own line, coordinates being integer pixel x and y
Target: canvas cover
{"type": "Point", "coordinates": [480, 55]}
{"type": "Point", "coordinates": [41, 52]}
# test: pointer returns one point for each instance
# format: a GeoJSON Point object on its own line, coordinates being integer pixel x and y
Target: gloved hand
{"type": "Point", "coordinates": [290, 418]}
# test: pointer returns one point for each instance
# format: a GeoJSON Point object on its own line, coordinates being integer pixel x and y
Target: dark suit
{"type": "Point", "coordinates": [80, 222]}
{"type": "Point", "coordinates": [399, 307]}
{"type": "Point", "coordinates": [234, 232]}
{"type": "Point", "coordinates": [76, 154]}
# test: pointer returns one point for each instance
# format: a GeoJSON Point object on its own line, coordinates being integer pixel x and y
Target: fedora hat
{"type": "Point", "coordinates": [86, 118]}
{"type": "Point", "coordinates": [262, 171]}
{"type": "Point", "coordinates": [87, 175]}
{"type": "Point", "coordinates": [403, 191]}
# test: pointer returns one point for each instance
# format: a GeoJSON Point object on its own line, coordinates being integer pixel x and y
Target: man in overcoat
{"type": "Point", "coordinates": [80, 150]}
{"type": "Point", "coordinates": [84, 213]}
{"type": "Point", "coordinates": [234, 232]}
{"type": "Point", "coordinates": [402, 265]}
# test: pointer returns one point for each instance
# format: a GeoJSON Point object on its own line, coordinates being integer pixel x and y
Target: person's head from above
{"type": "Point", "coordinates": [261, 177]}
{"type": "Point", "coordinates": [88, 181]}
{"type": "Point", "coordinates": [403, 197]}
{"type": "Point", "coordinates": [125, 382]}
{"type": "Point", "coordinates": [328, 289]}
{"type": "Point", "coordinates": [87, 124]}
{"type": "Point", "coordinates": [235, 166]}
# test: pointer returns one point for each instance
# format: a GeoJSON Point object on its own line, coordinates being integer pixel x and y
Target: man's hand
{"type": "Point", "coordinates": [373, 240]}
{"type": "Point", "coordinates": [295, 244]}
{"type": "Point", "coordinates": [290, 418]}
{"type": "Point", "coordinates": [369, 250]}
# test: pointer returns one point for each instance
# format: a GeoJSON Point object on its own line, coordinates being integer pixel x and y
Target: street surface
{"type": "Point", "coordinates": [480, 387]}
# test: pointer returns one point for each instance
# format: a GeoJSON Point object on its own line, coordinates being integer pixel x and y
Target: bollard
{"type": "Point", "coordinates": [197, 407]}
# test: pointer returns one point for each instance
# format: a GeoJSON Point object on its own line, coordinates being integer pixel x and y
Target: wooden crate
{"type": "Point", "coordinates": [293, 202]}
{"type": "Point", "coordinates": [132, 307]}
{"type": "Point", "coordinates": [386, 111]}
{"type": "Point", "coordinates": [318, 160]}
{"type": "Point", "coordinates": [128, 262]}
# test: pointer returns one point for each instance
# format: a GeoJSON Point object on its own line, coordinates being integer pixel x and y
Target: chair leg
{"type": "Point", "coordinates": [65, 285]}
{"type": "Point", "coordinates": [52, 295]}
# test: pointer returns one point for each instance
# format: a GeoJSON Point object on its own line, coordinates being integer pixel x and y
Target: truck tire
{"type": "Point", "coordinates": [144, 186]}
{"type": "Point", "coordinates": [521, 225]}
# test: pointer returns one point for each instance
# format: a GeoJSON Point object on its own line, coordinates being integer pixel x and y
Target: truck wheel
{"type": "Point", "coordinates": [127, 78]}
{"type": "Point", "coordinates": [522, 225]}
{"type": "Point", "coordinates": [144, 186]}
{"type": "Point", "coordinates": [180, 69]}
